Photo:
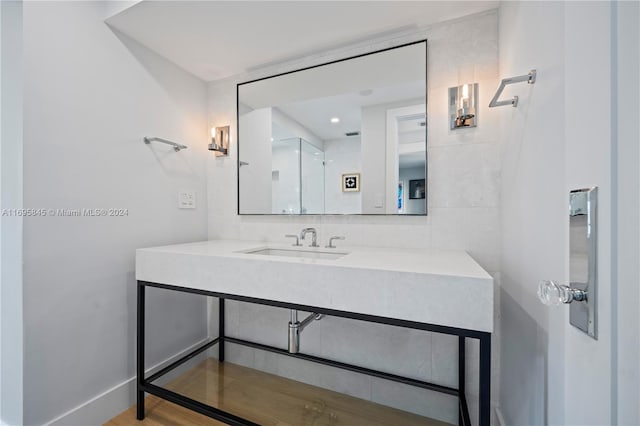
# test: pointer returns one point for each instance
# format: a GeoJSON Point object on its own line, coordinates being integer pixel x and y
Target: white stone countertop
{"type": "Point", "coordinates": [443, 287]}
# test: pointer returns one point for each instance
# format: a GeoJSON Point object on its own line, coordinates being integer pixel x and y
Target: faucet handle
{"type": "Point", "coordinates": [331, 241]}
{"type": "Point", "coordinates": [297, 244]}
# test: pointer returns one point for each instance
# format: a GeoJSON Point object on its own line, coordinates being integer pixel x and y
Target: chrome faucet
{"type": "Point", "coordinates": [331, 241]}
{"type": "Point", "coordinates": [314, 236]}
{"type": "Point", "coordinates": [297, 244]}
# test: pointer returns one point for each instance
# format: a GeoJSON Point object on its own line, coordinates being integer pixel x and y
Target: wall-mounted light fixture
{"type": "Point", "coordinates": [220, 141]}
{"type": "Point", "coordinates": [463, 104]}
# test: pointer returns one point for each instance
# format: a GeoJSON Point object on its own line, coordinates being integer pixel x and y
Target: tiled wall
{"type": "Point", "coordinates": [464, 213]}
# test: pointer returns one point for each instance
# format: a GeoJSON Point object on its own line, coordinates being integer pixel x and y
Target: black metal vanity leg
{"type": "Point", "coordinates": [463, 411]}
{"type": "Point", "coordinates": [140, 353]}
{"type": "Point", "coordinates": [221, 330]}
{"type": "Point", "coordinates": [485, 379]}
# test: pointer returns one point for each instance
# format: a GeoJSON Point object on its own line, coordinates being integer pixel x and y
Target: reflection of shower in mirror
{"type": "Point", "coordinates": [304, 131]}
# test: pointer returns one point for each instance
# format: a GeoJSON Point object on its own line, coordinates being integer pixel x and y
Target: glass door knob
{"type": "Point", "coordinates": [553, 294]}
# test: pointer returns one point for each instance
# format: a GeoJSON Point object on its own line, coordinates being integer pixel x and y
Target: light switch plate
{"type": "Point", "coordinates": [186, 199]}
{"type": "Point", "coordinates": [378, 201]}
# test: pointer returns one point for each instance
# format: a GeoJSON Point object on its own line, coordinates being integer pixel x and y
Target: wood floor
{"type": "Point", "coordinates": [265, 399]}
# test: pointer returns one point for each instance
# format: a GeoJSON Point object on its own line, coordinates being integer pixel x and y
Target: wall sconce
{"type": "Point", "coordinates": [463, 103]}
{"type": "Point", "coordinates": [220, 141]}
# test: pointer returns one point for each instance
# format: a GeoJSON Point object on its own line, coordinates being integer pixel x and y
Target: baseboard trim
{"type": "Point", "coordinates": [110, 403]}
{"type": "Point", "coordinates": [500, 417]}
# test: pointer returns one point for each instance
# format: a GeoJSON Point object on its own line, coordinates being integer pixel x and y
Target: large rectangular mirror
{"type": "Point", "coordinates": [346, 137]}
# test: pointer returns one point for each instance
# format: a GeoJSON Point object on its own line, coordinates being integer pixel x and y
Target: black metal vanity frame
{"type": "Point", "coordinates": [144, 384]}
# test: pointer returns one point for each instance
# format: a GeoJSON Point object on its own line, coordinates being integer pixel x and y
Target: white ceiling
{"type": "Point", "coordinates": [315, 114]}
{"type": "Point", "coordinates": [217, 39]}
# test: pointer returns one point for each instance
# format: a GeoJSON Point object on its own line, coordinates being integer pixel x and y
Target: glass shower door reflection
{"type": "Point", "coordinates": [285, 176]}
{"type": "Point", "coordinates": [312, 178]}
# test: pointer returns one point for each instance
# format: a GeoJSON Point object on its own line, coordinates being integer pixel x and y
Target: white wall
{"type": "Point", "coordinates": [373, 180]}
{"type": "Point", "coordinates": [1, 61]}
{"type": "Point", "coordinates": [1, 382]}
{"type": "Point", "coordinates": [533, 199]}
{"type": "Point", "coordinates": [341, 156]}
{"type": "Point", "coordinates": [551, 367]}
{"type": "Point", "coordinates": [627, 247]}
{"type": "Point", "coordinates": [293, 128]}
{"type": "Point", "coordinates": [90, 97]}
{"type": "Point", "coordinates": [11, 140]}
{"type": "Point", "coordinates": [378, 183]}
{"type": "Point", "coordinates": [588, 163]}
{"type": "Point", "coordinates": [256, 197]}
{"type": "Point", "coordinates": [112, 8]}
{"type": "Point", "coordinates": [464, 213]}
{"type": "Point", "coordinates": [412, 206]}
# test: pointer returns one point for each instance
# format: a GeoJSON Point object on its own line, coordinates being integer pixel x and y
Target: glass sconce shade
{"type": "Point", "coordinates": [463, 104]}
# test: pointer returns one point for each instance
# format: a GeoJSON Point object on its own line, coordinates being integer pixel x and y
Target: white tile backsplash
{"type": "Point", "coordinates": [443, 360]}
{"type": "Point", "coordinates": [464, 176]}
{"type": "Point", "coordinates": [358, 385]}
{"type": "Point", "coordinates": [266, 361]}
{"type": "Point", "coordinates": [474, 229]}
{"type": "Point", "coordinates": [372, 346]}
{"type": "Point", "coordinates": [464, 213]}
{"type": "Point", "coordinates": [420, 401]}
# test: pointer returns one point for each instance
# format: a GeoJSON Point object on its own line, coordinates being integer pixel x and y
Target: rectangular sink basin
{"type": "Point", "coordinates": [298, 253]}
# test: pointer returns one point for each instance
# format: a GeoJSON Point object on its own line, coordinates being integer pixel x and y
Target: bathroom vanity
{"type": "Point", "coordinates": [433, 290]}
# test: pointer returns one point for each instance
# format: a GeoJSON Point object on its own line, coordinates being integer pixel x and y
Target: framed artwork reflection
{"type": "Point", "coordinates": [417, 189]}
{"type": "Point", "coordinates": [351, 182]}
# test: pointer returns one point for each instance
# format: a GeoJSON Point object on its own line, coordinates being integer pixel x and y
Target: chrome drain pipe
{"type": "Point", "coordinates": [296, 327]}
